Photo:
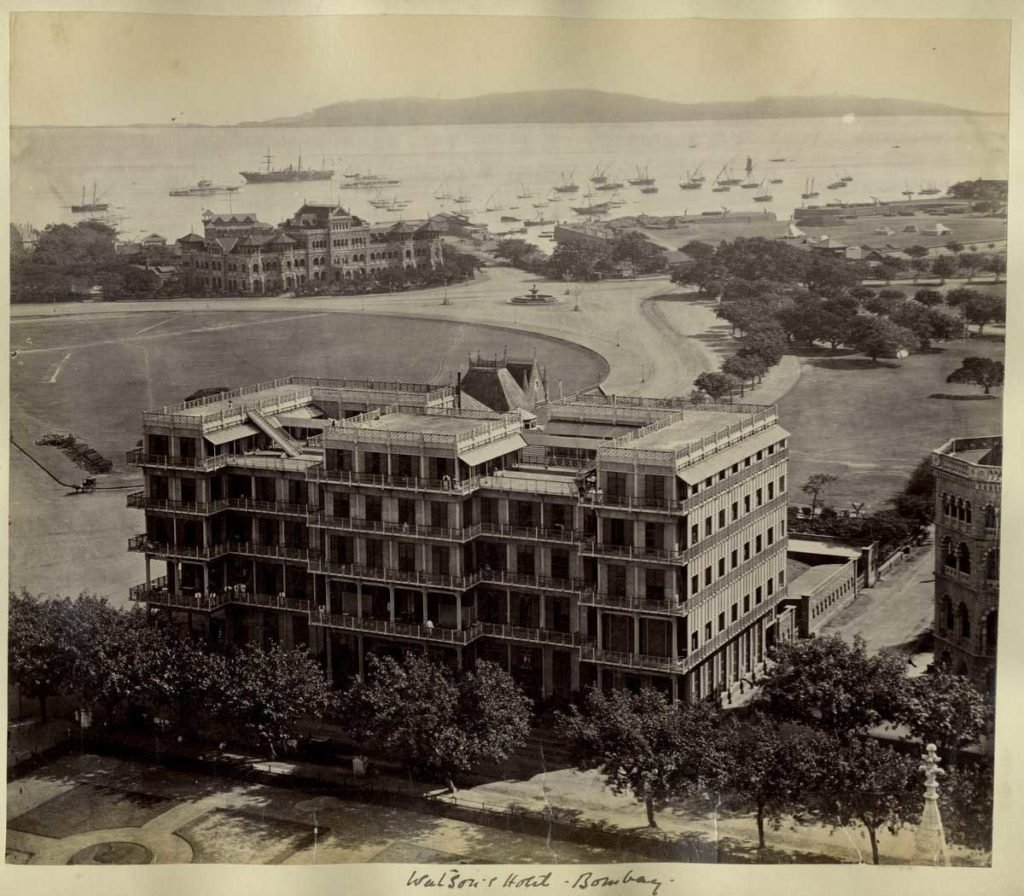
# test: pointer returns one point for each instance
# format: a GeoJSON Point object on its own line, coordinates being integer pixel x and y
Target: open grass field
{"type": "Point", "coordinates": [870, 424]}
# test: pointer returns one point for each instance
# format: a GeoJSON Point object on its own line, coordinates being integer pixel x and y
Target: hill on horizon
{"type": "Point", "coordinates": [589, 106]}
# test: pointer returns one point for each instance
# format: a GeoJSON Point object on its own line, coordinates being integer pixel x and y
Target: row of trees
{"type": "Point", "coordinates": [803, 751]}
{"type": "Point", "coordinates": [629, 250]}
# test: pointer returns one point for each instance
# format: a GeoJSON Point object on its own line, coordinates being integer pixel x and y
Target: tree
{"type": "Point", "coordinates": [645, 257]}
{"type": "Point", "coordinates": [516, 251]}
{"type": "Point", "coordinates": [965, 801]}
{"type": "Point", "coordinates": [888, 270]}
{"type": "Point", "coordinates": [746, 369]}
{"type": "Point", "coordinates": [996, 265]}
{"type": "Point", "coordinates": [955, 247]}
{"type": "Point", "coordinates": [928, 297]}
{"type": "Point", "coordinates": [926, 324]}
{"type": "Point", "coordinates": [766, 342]}
{"type": "Point", "coordinates": [702, 273]}
{"type": "Point", "coordinates": [863, 292]}
{"type": "Point", "coordinates": [575, 261]}
{"type": "Point", "coordinates": [716, 385]}
{"type": "Point", "coordinates": [434, 721]}
{"type": "Point", "coordinates": [971, 261]}
{"type": "Point", "coordinates": [266, 690]}
{"type": "Point", "coordinates": [815, 485]}
{"type": "Point", "coordinates": [871, 784]}
{"type": "Point", "coordinates": [828, 276]}
{"type": "Point", "coordinates": [917, 500]}
{"type": "Point", "coordinates": [646, 745]}
{"type": "Point", "coordinates": [978, 372]}
{"type": "Point", "coordinates": [773, 767]}
{"type": "Point", "coordinates": [875, 336]}
{"type": "Point", "coordinates": [40, 651]}
{"type": "Point", "coordinates": [982, 310]}
{"type": "Point", "coordinates": [947, 710]}
{"type": "Point", "coordinates": [943, 267]}
{"type": "Point", "coordinates": [698, 250]}
{"type": "Point", "coordinates": [959, 297]}
{"type": "Point", "coordinates": [916, 251]}
{"type": "Point", "coordinates": [834, 686]}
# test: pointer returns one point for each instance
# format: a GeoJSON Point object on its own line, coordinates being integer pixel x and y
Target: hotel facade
{"type": "Point", "coordinates": [601, 540]}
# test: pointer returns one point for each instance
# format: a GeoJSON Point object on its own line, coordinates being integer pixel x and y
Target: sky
{"type": "Point", "coordinates": [89, 69]}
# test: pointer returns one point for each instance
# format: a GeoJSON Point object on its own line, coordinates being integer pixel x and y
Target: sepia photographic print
{"type": "Point", "coordinates": [557, 449]}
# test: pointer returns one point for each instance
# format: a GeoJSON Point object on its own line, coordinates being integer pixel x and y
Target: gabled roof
{"type": "Point", "coordinates": [154, 236]}
{"type": "Point", "coordinates": [280, 238]}
{"type": "Point", "coordinates": [226, 243]}
{"type": "Point", "coordinates": [494, 387]}
{"type": "Point", "coordinates": [192, 238]}
{"type": "Point", "coordinates": [232, 218]}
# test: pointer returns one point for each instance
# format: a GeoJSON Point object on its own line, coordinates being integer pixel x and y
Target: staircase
{"type": "Point", "coordinates": [283, 440]}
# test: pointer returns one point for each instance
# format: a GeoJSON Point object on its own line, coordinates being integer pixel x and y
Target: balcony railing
{"type": "Point", "coordinates": [409, 530]}
{"type": "Point", "coordinates": [146, 545]}
{"type": "Point", "coordinates": [628, 552]}
{"type": "Point", "coordinates": [527, 580]}
{"type": "Point", "coordinates": [631, 660]}
{"type": "Point", "coordinates": [538, 635]}
{"type": "Point", "coordinates": [398, 629]}
{"type": "Point", "coordinates": [642, 604]}
{"type": "Point", "coordinates": [532, 533]}
{"type": "Point", "coordinates": [391, 575]}
{"type": "Point", "coordinates": [384, 480]}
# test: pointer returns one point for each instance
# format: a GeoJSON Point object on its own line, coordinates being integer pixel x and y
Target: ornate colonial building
{"type": "Point", "coordinates": [968, 481]}
{"type": "Point", "coordinates": [320, 243]}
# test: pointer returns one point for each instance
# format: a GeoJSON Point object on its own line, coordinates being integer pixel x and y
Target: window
{"type": "Point", "coordinates": [746, 603]}
{"type": "Point", "coordinates": [782, 529]}
{"type": "Point", "coordinates": [771, 449]}
{"type": "Point", "coordinates": [771, 535]}
{"type": "Point", "coordinates": [990, 517]}
{"type": "Point", "coordinates": [707, 632]}
{"type": "Point", "coordinates": [707, 526]}
{"type": "Point", "coordinates": [693, 641]}
{"type": "Point", "coordinates": [617, 580]}
{"type": "Point", "coordinates": [992, 565]}
{"type": "Point", "coordinates": [782, 579]}
{"type": "Point", "coordinates": [760, 455]}
{"type": "Point", "coordinates": [694, 584]}
{"type": "Point", "coordinates": [771, 490]}
{"type": "Point", "coordinates": [746, 503]}
{"type": "Point", "coordinates": [615, 484]}
{"type": "Point", "coordinates": [735, 468]}
{"type": "Point", "coordinates": [694, 534]}
{"type": "Point", "coordinates": [721, 622]}
{"type": "Point", "coordinates": [734, 559]}
{"type": "Point", "coordinates": [721, 519]}
{"type": "Point", "coordinates": [707, 482]}
{"type": "Point", "coordinates": [721, 567]}
{"type": "Point", "coordinates": [965, 558]}
{"type": "Point", "coordinates": [721, 475]}
{"type": "Point", "coordinates": [782, 484]}
{"type": "Point", "coordinates": [771, 586]}
{"type": "Point", "coordinates": [757, 594]}
{"type": "Point", "coordinates": [734, 613]}
{"type": "Point", "coordinates": [746, 461]}
{"type": "Point", "coordinates": [760, 497]}
{"type": "Point", "coordinates": [707, 576]}
{"type": "Point", "coordinates": [746, 551]}
{"type": "Point", "coordinates": [735, 510]}
{"type": "Point", "coordinates": [757, 544]}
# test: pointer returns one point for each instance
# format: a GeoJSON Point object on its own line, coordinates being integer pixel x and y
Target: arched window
{"type": "Point", "coordinates": [960, 509]}
{"type": "Point", "coordinates": [991, 631]}
{"type": "Point", "coordinates": [946, 617]}
{"type": "Point", "coordinates": [965, 558]}
{"type": "Point", "coordinates": [945, 504]}
{"type": "Point", "coordinates": [948, 554]}
{"type": "Point", "coordinates": [991, 519]}
{"type": "Point", "coordinates": [967, 510]}
{"type": "Point", "coordinates": [963, 621]}
{"type": "Point", "coordinates": [992, 565]}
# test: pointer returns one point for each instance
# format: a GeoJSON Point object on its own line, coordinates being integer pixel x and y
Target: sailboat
{"type": "Point", "coordinates": [490, 207]}
{"type": "Point", "coordinates": [590, 210]}
{"type": "Point", "coordinates": [729, 181]}
{"type": "Point", "coordinates": [930, 190]}
{"type": "Point", "coordinates": [762, 194]}
{"type": "Point", "coordinates": [722, 185]}
{"type": "Point", "coordinates": [642, 179]}
{"type": "Point", "coordinates": [524, 193]}
{"type": "Point", "coordinates": [463, 199]}
{"type": "Point", "coordinates": [809, 191]}
{"type": "Point", "coordinates": [908, 192]}
{"type": "Point", "coordinates": [691, 182]}
{"type": "Point", "coordinates": [94, 206]}
{"type": "Point", "coordinates": [568, 185]}
{"type": "Point", "coordinates": [440, 194]}
{"type": "Point", "coordinates": [750, 183]}
{"type": "Point", "coordinates": [599, 176]}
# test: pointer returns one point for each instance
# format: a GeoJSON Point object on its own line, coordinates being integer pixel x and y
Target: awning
{"type": "Point", "coordinates": [484, 453]}
{"type": "Point", "coordinates": [723, 460]}
{"type": "Point", "coordinates": [230, 433]}
{"type": "Point", "coordinates": [821, 548]}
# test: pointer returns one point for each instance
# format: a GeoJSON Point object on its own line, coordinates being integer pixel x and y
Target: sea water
{"type": "Point", "coordinates": [135, 168]}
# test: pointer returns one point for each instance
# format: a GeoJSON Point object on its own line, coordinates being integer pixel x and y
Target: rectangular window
{"type": "Point", "coordinates": [707, 482]}
{"type": "Point", "coordinates": [693, 641]}
{"type": "Point", "coordinates": [721, 519]}
{"type": "Point", "coordinates": [694, 584]}
{"type": "Point", "coordinates": [735, 468]}
{"type": "Point", "coordinates": [615, 484]}
{"type": "Point", "coordinates": [721, 622]}
{"type": "Point", "coordinates": [757, 544]}
{"type": "Point", "coordinates": [771, 449]}
{"type": "Point", "coordinates": [746, 461]}
{"type": "Point", "coordinates": [760, 497]}
{"type": "Point", "coordinates": [771, 535]}
{"type": "Point", "coordinates": [525, 561]}
{"type": "Point", "coordinates": [760, 455]}
{"type": "Point", "coordinates": [734, 559]}
{"type": "Point", "coordinates": [721, 475]}
{"type": "Point", "coordinates": [757, 595]}
{"type": "Point", "coordinates": [694, 534]}
{"type": "Point", "coordinates": [406, 556]}
{"type": "Point", "coordinates": [373, 508]}
{"type": "Point", "coordinates": [721, 567]}
{"type": "Point", "coordinates": [746, 503]}
{"type": "Point", "coordinates": [782, 484]}
{"type": "Point", "coordinates": [782, 577]}
{"type": "Point", "coordinates": [771, 586]}
{"type": "Point", "coordinates": [707, 526]}
{"type": "Point", "coordinates": [782, 529]}
{"type": "Point", "coordinates": [735, 613]}
{"type": "Point", "coordinates": [746, 550]}
{"type": "Point", "coordinates": [707, 632]}
{"type": "Point", "coordinates": [707, 576]}
{"type": "Point", "coordinates": [735, 510]}
{"type": "Point", "coordinates": [617, 580]}
{"type": "Point", "coordinates": [771, 490]}
{"type": "Point", "coordinates": [746, 603]}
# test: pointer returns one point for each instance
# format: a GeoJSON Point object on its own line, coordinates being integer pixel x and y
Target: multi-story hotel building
{"type": "Point", "coordinates": [968, 482]}
{"type": "Point", "coordinates": [320, 243]}
{"type": "Point", "coordinates": [611, 541]}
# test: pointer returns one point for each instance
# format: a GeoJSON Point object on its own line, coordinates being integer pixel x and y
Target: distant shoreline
{"type": "Point", "coordinates": [286, 127]}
